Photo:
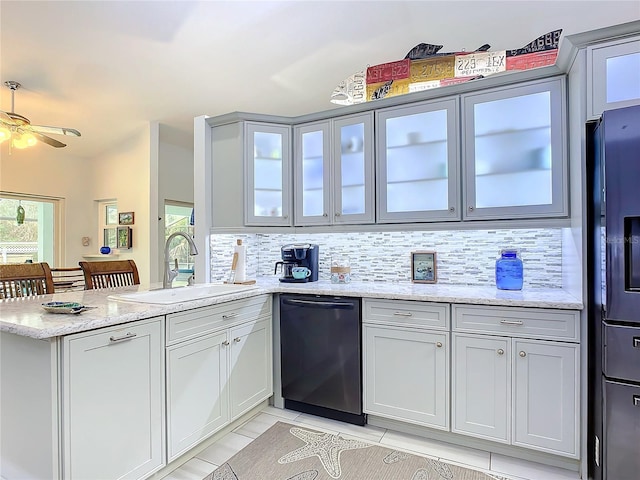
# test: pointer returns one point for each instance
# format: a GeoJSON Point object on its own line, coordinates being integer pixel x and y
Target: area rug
{"type": "Point", "coordinates": [289, 452]}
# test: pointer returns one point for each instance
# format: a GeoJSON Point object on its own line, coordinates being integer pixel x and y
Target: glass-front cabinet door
{"type": "Point", "coordinates": [613, 75]}
{"type": "Point", "coordinates": [267, 174]}
{"type": "Point", "coordinates": [333, 164]}
{"type": "Point", "coordinates": [514, 155]}
{"type": "Point", "coordinates": [418, 158]}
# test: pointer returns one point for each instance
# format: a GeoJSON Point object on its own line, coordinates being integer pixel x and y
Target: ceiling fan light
{"type": "Point", "coordinates": [23, 140]}
{"type": "Point", "coordinates": [5, 134]}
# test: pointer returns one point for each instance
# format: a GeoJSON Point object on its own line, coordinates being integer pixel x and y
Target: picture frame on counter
{"type": "Point", "coordinates": [125, 218]}
{"type": "Point", "coordinates": [124, 238]}
{"type": "Point", "coordinates": [423, 266]}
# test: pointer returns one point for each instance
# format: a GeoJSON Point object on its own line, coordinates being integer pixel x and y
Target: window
{"type": "Point", "coordinates": [178, 218]}
{"type": "Point", "coordinates": [27, 229]}
{"type": "Point", "coordinates": [108, 218]}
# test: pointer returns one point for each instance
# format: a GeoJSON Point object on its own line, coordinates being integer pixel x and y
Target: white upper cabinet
{"type": "Point", "coordinates": [334, 171]}
{"type": "Point", "coordinates": [514, 151]}
{"type": "Point", "coordinates": [418, 158]}
{"type": "Point", "coordinates": [613, 75]}
{"type": "Point", "coordinates": [267, 174]}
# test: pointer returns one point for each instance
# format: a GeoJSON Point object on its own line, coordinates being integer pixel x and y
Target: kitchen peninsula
{"type": "Point", "coordinates": [70, 383]}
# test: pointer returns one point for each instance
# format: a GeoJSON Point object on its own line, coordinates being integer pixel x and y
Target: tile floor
{"type": "Point", "coordinates": [207, 461]}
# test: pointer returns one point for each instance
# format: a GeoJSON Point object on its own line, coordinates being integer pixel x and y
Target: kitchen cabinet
{"type": "Point", "coordinates": [267, 176]}
{"type": "Point", "coordinates": [417, 149]}
{"type": "Point", "coordinates": [113, 382]}
{"type": "Point", "coordinates": [333, 165]}
{"type": "Point", "coordinates": [219, 366]}
{"type": "Point", "coordinates": [406, 361]}
{"type": "Point", "coordinates": [613, 75]}
{"type": "Point", "coordinates": [514, 151]}
{"type": "Point", "coordinates": [512, 387]}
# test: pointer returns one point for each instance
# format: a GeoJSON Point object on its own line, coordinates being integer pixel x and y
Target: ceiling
{"type": "Point", "coordinates": [108, 68]}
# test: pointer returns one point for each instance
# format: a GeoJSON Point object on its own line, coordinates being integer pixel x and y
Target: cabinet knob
{"type": "Point", "coordinates": [522, 354]}
{"type": "Point", "coordinates": [500, 351]}
{"type": "Point", "coordinates": [470, 208]}
{"type": "Point", "coordinates": [285, 216]}
{"type": "Point", "coordinates": [338, 214]}
{"type": "Point", "coordinates": [452, 209]}
{"type": "Point", "coordinates": [325, 214]}
{"type": "Point", "coordinates": [439, 344]}
{"type": "Point", "coordinates": [225, 343]}
{"type": "Point", "coordinates": [237, 339]}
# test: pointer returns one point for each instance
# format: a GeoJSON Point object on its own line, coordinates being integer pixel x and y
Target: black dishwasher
{"type": "Point", "coordinates": [320, 340]}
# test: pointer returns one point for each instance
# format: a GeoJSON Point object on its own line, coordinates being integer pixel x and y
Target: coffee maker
{"type": "Point", "coordinates": [303, 255]}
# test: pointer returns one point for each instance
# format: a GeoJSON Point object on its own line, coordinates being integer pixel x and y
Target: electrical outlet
{"type": "Point", "coordinates": [597, 452]}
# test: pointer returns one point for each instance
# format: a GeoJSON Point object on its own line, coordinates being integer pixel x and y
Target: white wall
{"type": "Point", "coordinates": [45, 171]}
{"type": "Point", "coordinates": [124, 173]}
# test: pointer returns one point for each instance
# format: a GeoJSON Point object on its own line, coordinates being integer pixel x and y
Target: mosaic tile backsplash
{"type": "Point", "coordinates": [464, 257]}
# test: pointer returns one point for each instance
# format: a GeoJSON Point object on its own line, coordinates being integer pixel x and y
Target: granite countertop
{"type": "Point", "coordinates": [26, 317]}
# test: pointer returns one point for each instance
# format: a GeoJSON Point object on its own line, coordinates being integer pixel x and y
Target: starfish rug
{"type": "Point", "coordinates": [289, 452]}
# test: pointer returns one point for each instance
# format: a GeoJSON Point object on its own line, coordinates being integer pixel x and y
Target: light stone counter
{"type": "Point", "coordinates": [26, 317]}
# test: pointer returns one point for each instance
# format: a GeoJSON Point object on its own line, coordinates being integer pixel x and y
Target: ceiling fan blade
{"type": "Point", "coordinates": [5, 118]}
{"type": "Point", "coordinates": [55, 130]}
{"type": "Point", "coordinates": [48, 140]}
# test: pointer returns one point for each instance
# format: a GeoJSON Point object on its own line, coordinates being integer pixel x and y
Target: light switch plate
{"type": "Point", "coordinates": [86, 241]}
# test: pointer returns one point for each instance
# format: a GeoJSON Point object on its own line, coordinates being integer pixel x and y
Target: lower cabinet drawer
{"type": "Point", "coordinates": [193, 323]}
{"type": "Point", "coordinates": [406, 313]}
{"type": "Point", "coordinates": [523, 322]}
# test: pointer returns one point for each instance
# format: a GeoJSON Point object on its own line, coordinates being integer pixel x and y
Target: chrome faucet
{"type": "Point", "coordinates": [169, 273]}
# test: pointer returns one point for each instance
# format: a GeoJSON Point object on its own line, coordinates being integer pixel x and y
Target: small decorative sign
{"type": "Point", "coordinates": [423, 267]}
{"type": "Point", "coordinates": [125, 218]}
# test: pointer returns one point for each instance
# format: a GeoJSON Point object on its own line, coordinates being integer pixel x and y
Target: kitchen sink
{"type": "Point", "coordinates": [182, 294]}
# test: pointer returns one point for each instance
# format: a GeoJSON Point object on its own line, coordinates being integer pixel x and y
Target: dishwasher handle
{"type": "Point", "coordinates": [318, 303]}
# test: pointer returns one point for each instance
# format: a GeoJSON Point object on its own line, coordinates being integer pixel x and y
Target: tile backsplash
{"type": "Point", "coordinates": [464, 257]}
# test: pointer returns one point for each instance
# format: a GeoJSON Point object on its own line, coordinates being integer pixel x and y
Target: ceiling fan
{"type": "Point", "coordinates": [22, 133]}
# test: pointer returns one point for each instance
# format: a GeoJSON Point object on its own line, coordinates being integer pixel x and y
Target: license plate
{"type": "Point", "coordinates": [388, 71]}
{"type": "Point", "coordinates": [481, 63]}
{"type": "Point", "coordinates": [432, 69]}
{"type": "Point", "coordinates": [532, 60]}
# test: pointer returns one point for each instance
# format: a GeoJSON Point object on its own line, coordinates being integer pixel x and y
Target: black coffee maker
{"type": "Point", "coordinates": [304, 255]}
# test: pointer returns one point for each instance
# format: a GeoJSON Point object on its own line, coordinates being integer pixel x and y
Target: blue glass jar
{"type": "Point", "coordinates": [509, 270]}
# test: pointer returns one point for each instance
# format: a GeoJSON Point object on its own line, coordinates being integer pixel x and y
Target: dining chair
{"type": "Point", "coordinates": [25, 280]}
{"type": "Point", "coordinates": [109, 274]}
{"type": "Point", "coordinates": [67, 279]}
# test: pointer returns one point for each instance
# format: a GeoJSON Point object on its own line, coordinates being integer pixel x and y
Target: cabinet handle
{"type": "Point", "coordinates": [511, 322]}
{"type": "Point", "coordinates": [439, 344]}
{"type": "Point", "coordinates": [636, 400]}
{"type": "Point", "coordinates": [231, 315]}
{"type": "Point", "coordinates": [403, 314]}
{"type": "Point", "coordinates": [127, 336]}
{"type": "Point", "coordinates": [500, 351]}
{"type": "Point", "coordinates": [225, 343]}
{"type": "Point", "coordinates": [325, 214]}
{"type": "Point", "coordinates": [237, 339]}
{"type": "Point", "coordinates": [636, 342]}
{"type": "Point", "coordinates": [523, 354]}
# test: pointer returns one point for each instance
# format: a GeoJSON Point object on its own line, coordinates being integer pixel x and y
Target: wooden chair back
{"type": "Point", "coordinates": [67, 279]}
{"type": "Point", "coordinates": [109, 274]}
{"type": "Point", "coordinates": [25, 280]}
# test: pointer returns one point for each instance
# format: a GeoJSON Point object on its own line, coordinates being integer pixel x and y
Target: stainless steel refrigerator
{"type": "Point", "coordinates": [613, 297]}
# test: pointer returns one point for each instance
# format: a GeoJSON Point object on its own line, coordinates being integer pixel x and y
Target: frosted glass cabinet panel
{"type": "Point", "coordinates": [513, 151]}
{"type": "Point", "coordinates": [613, 75]}
{"type": "Point", "coordinates": [268, 174]}
{"type": "Point", "coordinates": [417, 149]}
{"type": "Point", "coordinates": [334, 171]}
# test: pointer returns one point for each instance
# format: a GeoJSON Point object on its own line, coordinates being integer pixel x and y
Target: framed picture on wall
{"type": "Point", "coordinates": [423, 267]}
{"type": "Point", "coordinates": [124, 237]}
{"type": "Point", "coordinates": [125, 218]}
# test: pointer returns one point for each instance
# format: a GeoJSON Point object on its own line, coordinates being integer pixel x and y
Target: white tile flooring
{"type": "Point", "coordinates": [218, 453]}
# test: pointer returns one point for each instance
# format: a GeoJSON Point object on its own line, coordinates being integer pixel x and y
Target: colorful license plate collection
{"type": "Point", "coordinates": [424, 68]}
